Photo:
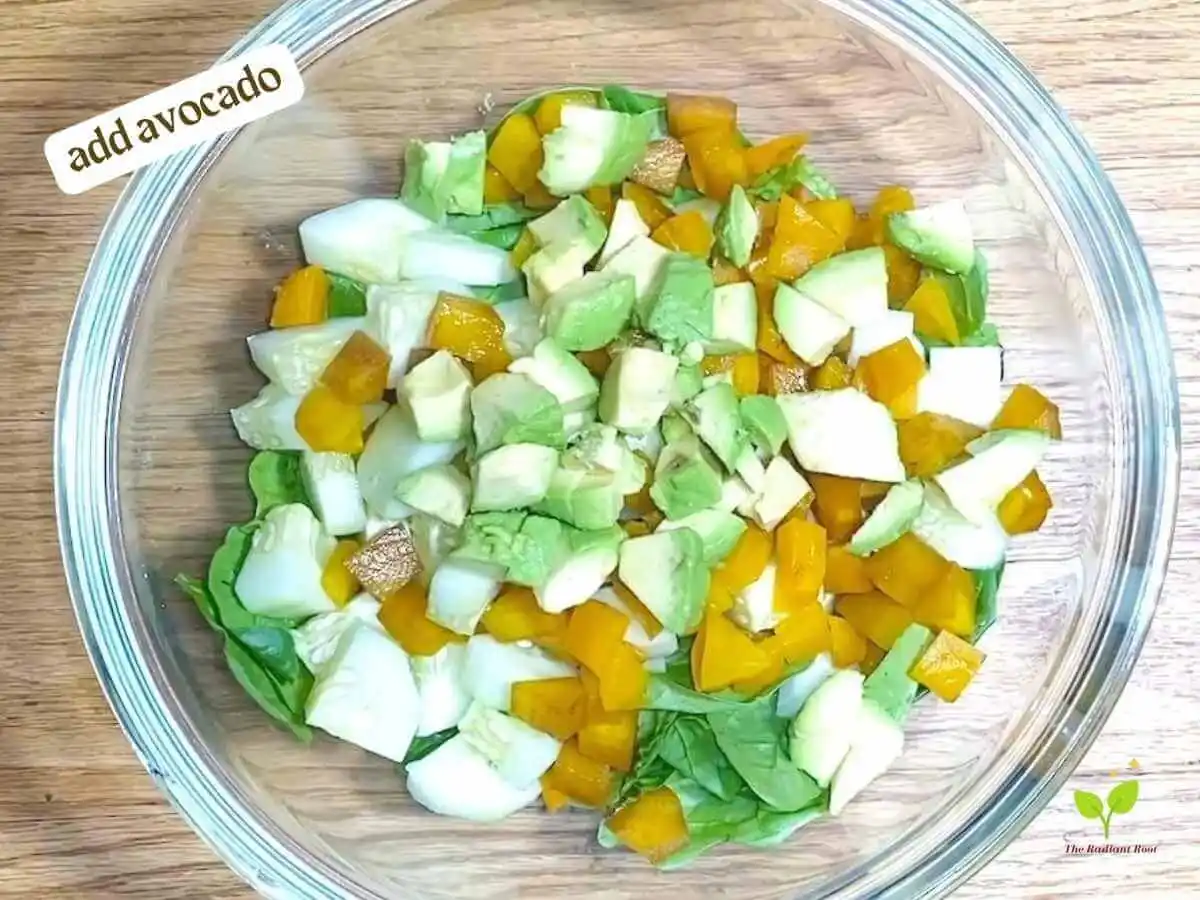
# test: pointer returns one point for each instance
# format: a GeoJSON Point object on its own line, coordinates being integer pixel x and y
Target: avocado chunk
{"type": "Point", "coordinates": [637, 389]}
{"type": "Point", "coordinates": [590, 312]}
{"type": "Point", "coordinates": [643, 259]}
{"type": "Point", "coordinates": [939, 236]}
{"type": "Point", "coordinates": [438, 391]}
{"type": "Point", "coordinates": [666, 572]}
{"type": "Point", "coordinates": [585, 498]}
{"type": "Point", "coordinates": [843, 432]}
{"type": "Point", "coordinates": [488, 537]}
{"type": "Point", "coordinates": [889, 686]}
{"type": "Point", "coordinates": [852, 285]}
{"type": "Point", "coordinates": [811, 330]}
{"type": "Point", "coordinates": [600, 448]}
{"type": "Point", "coordinates": [561, 374]}
{"type": "Point", "coordinates": [890, 519]}
{"type": "Point", "coordinates": [685, 481]}
{"type": "Point", "coordinates": [714, 416]}
{"type": "Point", "coordinates": [680, 309]}
{"type": "Point", "coordinates": [538, 548]}
{"type": "Point", "coordinates": [783, 488]}
{"type": "Point", "coordinates": [512, 476]}
{"type": "Point", "coordinates": [627, 224]}
{"type": "Point", "coordinates": [718, 530]}
{"type": "Point", "coordinates": [689, 381]}
{"type": "Point", "coordinates": [999, 461]}
{"type": "Point", "coordinates": [590, 559]}
{"type": "Point", "coordinates": [737, 227]}
{"type": "Point", "coordinates": [440, 491]}
{"type": "Point", "coordinates": [514, 409]}
{"type": "Point", "coordinates": [551, 269]}
{"type": "Point", "coordinates": [574, 223]}
{"type": "Point", "coordinates": [735, 319]}
{"type": "Point", "coordinates": [592, 147]}
{"type": "Point", "coordinates": [764, 423]}
{"type": "Point", "coordinates": [442, 177]}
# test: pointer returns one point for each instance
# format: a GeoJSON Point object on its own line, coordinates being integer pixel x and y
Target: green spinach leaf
{"type": "Point", "coordinates": [650, 770]}
{"type": "Point", "coordinates": [768, 828]}
{"type": "Point", "coordinates": [198, 591]}
{"type": "Point", "coordinates": [283, 700]}
{"type": "Point", "coordinates": [691, 749]}
{"type": "Point", "coordinates": [776, 182]}
{"type": "Point", "coordinates": [505, 237]}
{"type": "Point", "coordinates": [421, 747]}
{"type": "Point", "coordinates": [975, 291]}
{"type": "Point", "coordinates": [347, 296]}
{"type": "Point", "coordinates": [498, 215]}
{"type": "Point", "coordinates": [752, 739]}
{"type": "Point", "coordinates": [667, 694]}
{"type": "Point", "coordinates": [502, 293]}
{"type": "Point", "coordinates": [622, 99]}
{"type": "Point", "coordinates": [987, 587]}
{"type": "Point", "coordinates": [275, 480]}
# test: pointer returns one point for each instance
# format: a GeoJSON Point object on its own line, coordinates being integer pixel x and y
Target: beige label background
{"type": "Point", "coordinates": [78, 816]}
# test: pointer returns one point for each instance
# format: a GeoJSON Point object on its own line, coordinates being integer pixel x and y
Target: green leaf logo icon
{"type": "Point", "coordinates": [1122, 798]}
{"type": "Point", "coordinates": [1089, 805]}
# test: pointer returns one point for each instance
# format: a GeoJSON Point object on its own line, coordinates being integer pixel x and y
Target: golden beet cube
{"type": "Point", "coordinates": [652, 825]}
{"type": "Point", "coordinates": [1027, 407]}
{"type": "Point", "coordinates": [359, 371]}
{"type": "Point", "coordinates": [947, 666]}
{"type": "Point", "coordinates": [302, 298]}
{"type": "Point", "coordinates": [328, 424]}
{"type": "Point", "coordinates": [516, 151]}
{"type": "Point", "coordinates": [949, 603]}
{"type": "Point", "coordinates": [1026, 506]}
{"type": "Point", "coordinates": [889, 373]}
{"type": "Point", "coordinates": [929, 442]}
{"type": "Point", "coordinates": [906, 568]}
{"type": "Point", "coordinates": [472, 331]}
{"type": "Point", "coordinates": [876, 616]}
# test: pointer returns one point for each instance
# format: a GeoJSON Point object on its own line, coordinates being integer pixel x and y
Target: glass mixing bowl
{"type": "Point", "coordinates": [149, 472]}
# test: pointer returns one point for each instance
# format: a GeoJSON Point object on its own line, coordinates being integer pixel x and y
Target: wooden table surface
{"type": "Point", "coordinates": [79, 817]}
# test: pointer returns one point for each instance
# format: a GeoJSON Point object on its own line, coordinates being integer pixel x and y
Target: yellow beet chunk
{"type": "Point", "coordinates": [872, 658]}
{"type": "Point", "coordinates": [933, 315]}
{"type": "Point", "coordinates": [904, 273]}
{"type": "Point", "coordinates": [554, 705]}
{"type": "Point", "coordinates": [652, 825]}
{"type": "Point", "coordinates": [649, 205]}
{"type": "Point", "coordinates": [496, 188]}
{"type": "Point", "coordinates": [516, 616]}
{"type": "Point", "coordinates": [594, 634]}
{"type": "Point", "coordinates": [1026, 506]}
{"type": "Point", "coordinates": [769, 675]}
{"type": "Point", "coordinates": [725, 272]}
{"type": "Point", "coordinates": [607, 736]}
{"type": "Point", "coordinates": [601, 197]}
{"type": "Point", "coordinates": [890, 373]}
{"type": "Point", "coordinates": [358, 374]}
{"type": "Point", "coordinates": [770, 341]}
{"type": "Point", "coordinates": [302, 298]}
{"type": "Point", "coordinates": [687, 232]}
{"type": "Point", "coordinates": [338, 581]}
{"type": "Point", "coordinates": [720, 596]}
{"type": "Point", "coordinates": [947, 666]}
{"type": "Point", "coordinates": [722, 654]}
{"type": "Point", "coordinates": [524, 248]}
{"type": "Point", "coordinates": [804, 633]}
{"type": "Point", "coordinates": [875, 616]}
{"type": "Point", "coordinates": [779, 151]}
{"type": "Point", "coordinates": [845, 573]}
{"type": "Point", "coordinates": [328, 424]}
{"type": "Point", "coordinates": [800, 241]}
{"type": "Point", "coordinates": [637, 609]}
{"type": "Point", "coordinates": [717, 160]}
{"type": "Point", "coordinates": [403, 615]}
{"type": "Point", "coordinates": [623, 685]}
{"type": "Point", "coordinates": [1027, 407]}
{"type": "Point", "coordinates": [742, 368]}
{"type": "Point", "coordinates": [890, 200]}
{"type": "Point", "coordinates": [472, 331]}
{"type": "Point", "coordinates": [690, 113]}
{"type": "Point", "coordinates": [549, 112]}
{"type": "Point", "coordinates": [929, 442]}
{"type": "Point", "coordinates": [538, 197]}
{"type": "Point", "coordinates": [832, 375]}
{"type": "Point", "coordinates": [749, 557]}
{"type": "Point", "coordinates": [585, 781]}
{"type": "Point", "coordinates": [554, 799]}
{"type": "Point", "coordinates": [847, 647]}
{"type": "Point", "coordinates": [836, 215]}
{"type": "Point", "coordinates": [949, 603]}
{"type": "Point", "coordinates": [837, 505]}
{"type": "Point", "coordinates": [516, 151]}
{"type": "Point", "coordinates": [800, 564]}
{"type": "Point", "coordinates": [906, 568]}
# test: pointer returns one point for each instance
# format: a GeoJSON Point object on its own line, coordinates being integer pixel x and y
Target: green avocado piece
{"type": "Point", "coordinates": [540, 547]}
{"type": "Point", "coordinates": [514, 409]}
{"type": "Point", "coordinates": [714, 416]}
{"type": "Point", "coordinates": [680, 309]}
{"type": "Point", "coordinates": [939, 236]}
{"type": "Point", "coordinates": [685, 482]}
{"type": "Point", "coordinates": [737, 227]}
{"type": "Point", "coordinates": [764, 423]}
{"type": "Point", "coordinates": [889, 686]}
{"type": "Point", "coordinates": [585, 498]}
{"type": "Point", "coordinates": [589, 313]}
{"type": "Point", "coordinates": [667, 573]}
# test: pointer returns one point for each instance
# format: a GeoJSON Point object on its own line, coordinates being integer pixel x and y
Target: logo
{"type": "Point", "coordinates": [1120, 801]}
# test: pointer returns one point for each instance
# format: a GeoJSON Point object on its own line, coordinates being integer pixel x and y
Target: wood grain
{"type": "Point", "coordinates": [79, 817]}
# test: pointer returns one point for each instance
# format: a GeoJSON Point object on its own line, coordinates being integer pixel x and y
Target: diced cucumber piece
{"type": "Point", "coordinates": [737, 227]}
{"type": "Point", "coordinates": [783, 489]}
{"type": "Point", "coordinates": [520, 753]}
{"type": "Point", "coordinates": [332, 485]}
{"type": "Point", "coordinates": [365, 239]}
{"type": "Point", "coordinates": [590, 312]}
{"type": "Point", "coordinates": [522, 326]}
{"type": "Point", "coordinates": [346, 700]}
{"type": "Point", "coordinates": [592, 558]}
{"type": "Point", "coordinates": [457, 780]}
{"type": "Point", "coordinates": [443, 254]}
{"type": "Point", "coordinates": [890, 519]}
{"type": "Point", "coordinates": [666, 572]}
{"type": "Point", "coordinates": [735, 319]}
{"type": "Point", "coordinates": [754, 608]}
{"type": "Point", "coordinates": [593, 147]}
{"type": "Point", "coordinates": [440, 491]}
{"type": "Point", "coordinates": [294, 358]}
{"type": "Point", "coordinates": [492, 668]}
{"type": "Point", "coordinates": [438, 391]}
{"type": "Point", "coordinates": [317, 640]}
{"type": "Point", "coordinates": [398, 319]}
{"type": "Point", "coordinates": [853, 285]}
{"type": "Point", "coordinates": [894, 325]}
{"type": "Point", "coordinates": [637, 389]}
{"type": "Point", "coordinates": [811, 330]}
{"type": "Point", "coordinates": [512, 476]}
{"type": "Point", "coordinates": [281, 575]}
{"type": "Point", "coordinates": [515, 409]}
{"type": "Point", "coordinates": [561, 374]}
{"type": "Point", "coordinates": [1000, 460]}
{"type": "Point", "coordinates": [719, 532]}
{"type": "Point", "coordinates": [963, 383]}
{"type": "Point", "coordinates": [393, 450]}
{"type": "Point", "coordinates": [268, 422]}
{"type": "Point", "coordinates": [460, 590]}
{"type": "Point", "coordinates": [444, 698]}
{"type": "Point", "coordinates": [939, 236]}
{"type": "Point", "coordinates": [878, 741]}
{"type": "Point", "coordinates": [946, 530]}
{"type": "Point", "coordinates": [822, 732]}
{"type": "Point", "coordinates": [843, 432]}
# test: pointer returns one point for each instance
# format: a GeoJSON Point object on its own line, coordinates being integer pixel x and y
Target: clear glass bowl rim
{"type": "Point", "coordinates": [940, 854]}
